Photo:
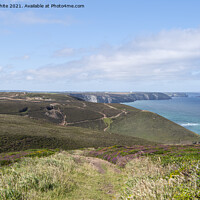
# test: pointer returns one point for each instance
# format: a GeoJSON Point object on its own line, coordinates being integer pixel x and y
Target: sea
{"type": "Point", "coordinates": [184, 111]}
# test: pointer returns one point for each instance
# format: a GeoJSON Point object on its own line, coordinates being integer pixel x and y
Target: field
{"type": "Point", "coordinates": [22, 133]}
{"type": "Point", "coordinates": [150, 126]}
{"type": "Point", "coordinates": [36, 120]}
{"type": "Point", "coordinates": [164, 172]}
{"type": "Point", "coordinates": [53, 146]}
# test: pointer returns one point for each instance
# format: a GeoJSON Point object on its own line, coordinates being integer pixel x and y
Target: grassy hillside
{"type": "Point", "coordinates": [20, 133]}
{"type": "Point", "coordinates": [128, 162]}
{"type": "Point", "coordinates": [144, 124]}
{"type": "Point", "coordinates": [63, 110]}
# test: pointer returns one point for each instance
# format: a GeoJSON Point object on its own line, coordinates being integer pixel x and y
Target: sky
{"type": "Point", "coordinates": [115, 45]}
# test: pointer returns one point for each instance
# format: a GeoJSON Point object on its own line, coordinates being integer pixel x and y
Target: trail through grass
{"type": "Point", "coordinates": [171, 173]}
{"type": "Point", "coordinates": [61, 176]}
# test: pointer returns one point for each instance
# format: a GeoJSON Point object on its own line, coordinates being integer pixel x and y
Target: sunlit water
{"type": "Point", "coordinates": [181, 110]}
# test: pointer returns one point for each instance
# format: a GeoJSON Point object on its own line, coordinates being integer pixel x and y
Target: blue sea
{"type": "Point", "coordinates": [184, 111]}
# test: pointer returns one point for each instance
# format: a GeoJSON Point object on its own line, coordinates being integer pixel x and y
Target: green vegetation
{"type": "Point", "coordinates": [74, 175]}
{"type": "Point", "coordinates": [128, 163]}
{"type": "Point", "coordinates": [61, 176]}
{"type": "Point", "coordinates": [60, 109]}
{"type": "Point", "coordinates": [150, 126]}
{"type": "Point", "coordinates": [19, 133]}
{"type": "Point", "coordinates": [107, 122]}
{"type": "Point", "coordinates": [157, 172]}
{"type": "Point", "coordinates": [167, 153]}
{"type": "Point", "coordinates": [11, 157]}
{"type": "Point", "coordinates": [152, 180]}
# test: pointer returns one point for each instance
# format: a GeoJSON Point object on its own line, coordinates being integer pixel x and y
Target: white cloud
{"type": "Point", "coordinates": [168, 56]}
{"type": "Point", "coordinates": [73, 52]}
{"type": "Point", "coordinates": [172, 54]}
{"type": "Point", "coordinates": [29, 17]}
{"type": "Point", "coordinates": [24, 57]}
{"type": "Point", "coordinates": [64, 52]}
{"type": "Point", "coordinates": [29, 78]}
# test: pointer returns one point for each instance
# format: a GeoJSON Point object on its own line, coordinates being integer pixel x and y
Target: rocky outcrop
{"type": "Point", "coordinates": [107, 97]}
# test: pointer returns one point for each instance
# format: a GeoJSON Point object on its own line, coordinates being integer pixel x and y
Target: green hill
{"type": "Point", "coordinates": [151, 126]}
{"type": "Point", "coordinates": [20, 133]}
{"type": "Point", "coordinates": [58, 120]}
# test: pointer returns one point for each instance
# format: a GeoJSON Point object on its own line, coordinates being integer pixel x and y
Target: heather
{"type": "Point", "coordinates": [87, 165]}
{"type": "Point", "coordinates": [11, 157]}
{"type": "Point", "coordinates": [157, 172]}
{"type": "Point", "coordinates": [166, 153]}
{"type": "Point", "coordinates": [116, 172]}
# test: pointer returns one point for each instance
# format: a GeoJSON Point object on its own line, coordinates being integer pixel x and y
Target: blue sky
{"type": "Point", "coordinates": [115, 45]}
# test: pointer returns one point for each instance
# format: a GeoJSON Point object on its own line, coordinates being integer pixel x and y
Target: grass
{"type": "Point", "coordinates": [122, 166]}
{"type": "Point", "coordinates": [74, 175]}
{"type": "Point", "coordinates": [167, 153]}
{"type": "Point", "coordinates": [12, 157]}
{"type": "Point", "coordinates": [107, 122]}
{"type": "Point", "coordinates": [151, 180]}
{"type": "Point", "coordinates": [60, 176]}
{"type": "Point", "coordinates": [157, 172]}
{"type": "Point", "coordinates": [63, 109]}
{"type": "Point", "coordinates": [19, 133]}
{"type": "Point", "coordinates": [150, 126]}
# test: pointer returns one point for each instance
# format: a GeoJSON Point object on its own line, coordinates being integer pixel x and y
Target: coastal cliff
{"type": "Point", "coordinates": [176, 94]}
{"type": "Point", "coordinates": [108, 97]}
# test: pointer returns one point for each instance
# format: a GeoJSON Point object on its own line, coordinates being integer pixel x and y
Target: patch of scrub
{"type": "Point", "coordinates": [108, 122]}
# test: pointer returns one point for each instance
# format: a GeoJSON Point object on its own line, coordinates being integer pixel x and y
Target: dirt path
{"type": "Point", "coordinates": [110, 106]}
{"type": "Point", "coordinates": [104, 168]}
{"type": "Point", "coordinates": [105, 129]}
{"type": "Point", "coordinates": [64, 121]}
{"type": "Point", "coordinates": [27, 99]}
{"type": "Point", "coordinates": [12, 99]}
{"type": "Point", "coordinates": [104, 116]}
{"type": "Point", "coordinates": [99, 164]}
{"type": "Point", "coordinates": [84, 105]}
{"type": "Point", "coordinates": [113, 117]}
{"type": "Point", "coordinates": [88, 120]}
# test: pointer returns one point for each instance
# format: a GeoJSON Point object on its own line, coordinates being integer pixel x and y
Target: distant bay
{"type": "Point", "coordinates": [184, 111]}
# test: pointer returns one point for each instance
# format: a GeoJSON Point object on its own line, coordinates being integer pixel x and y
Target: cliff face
{"type": "Point", "coordinates": [120, 97]}
{"type": "Point", "coordinates": [176, 94]}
